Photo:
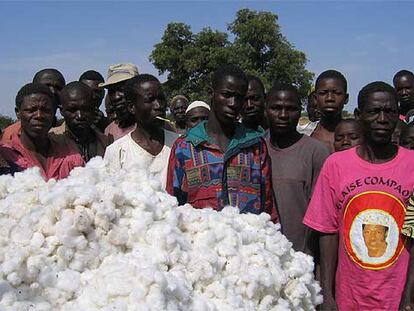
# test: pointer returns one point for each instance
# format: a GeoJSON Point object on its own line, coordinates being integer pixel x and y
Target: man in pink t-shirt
{"type": "Point", "coordinates": [36, 108]}
{"type": "Point", "coordinates": [360, 197]}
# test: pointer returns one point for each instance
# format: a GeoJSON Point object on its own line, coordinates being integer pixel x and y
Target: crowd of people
{"type": "Point", "coordinates": [340, 188]}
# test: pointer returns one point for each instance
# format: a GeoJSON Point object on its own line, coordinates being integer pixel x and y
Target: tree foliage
{"type": "Point", "coordinates": [5, 121]}
{"type": "Point", "coordinates": [257, 46]}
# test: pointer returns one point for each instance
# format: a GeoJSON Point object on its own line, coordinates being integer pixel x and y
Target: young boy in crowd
{"type": "Point", "coordinates": [220, 162]}
{"type": "Point", "coordinates": [404, 86]}
{"type": "Point", "coordinates": [360, 196]}
{"type": "Point", "coordinates": [36, 108]}
{"type": "Point", "coordinates": [407, 136]}
{"type": "Point", "coordinates": [148, 144]}
{"type": "Point", "coordinates": [296, 162]}
{"type": "Point", "coordinates": [313, 115]}
{"type": "Point", "coordinates": [348, 134]}
{"type": "Point", "coordinates": [331, 96]}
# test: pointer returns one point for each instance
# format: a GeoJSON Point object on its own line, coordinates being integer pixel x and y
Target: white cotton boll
{"type": "Point", "coordinates": [116, 241]}
{"type": "Point", "coordinates": [37, 240]}
{"type": "Point", "coordinates": [5, 288]}
{"type": "Point", "coordinates": [68, 280]}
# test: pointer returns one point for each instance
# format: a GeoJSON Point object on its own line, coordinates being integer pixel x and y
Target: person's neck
{"type": "Point", "coordinates": [143, 133]}
{"type": "Point", "coordinates": [83, 136]}
{"type": "Point", "coordinates": [181, 125]}
{"type": "Point", "coordinates": [284, 140]}
{"type": "Point", "coordinates": [221, 133]}
{"type": "Point", "coordinates": [126, 123]}
{"type": "Point", "coordinates": [39, 145]}
{"type": "Point", "coordinates": [330, 124]}
{"type": "Point", "coordinates": [404, 110]}
{"type": "Point", "coordinates": [254, 124]}
{"type": "Point", "coordinates": [377, 154]}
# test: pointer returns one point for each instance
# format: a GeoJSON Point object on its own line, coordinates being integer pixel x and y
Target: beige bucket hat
{"type": "Point", "coordinates": [120, 72]}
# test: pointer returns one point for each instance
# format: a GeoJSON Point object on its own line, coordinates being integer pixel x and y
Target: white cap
{"type": "Point", "coordinates": [196, 104]}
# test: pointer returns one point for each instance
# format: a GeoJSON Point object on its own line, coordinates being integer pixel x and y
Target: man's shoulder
{"type": "Point", "coordinates": [315, 146]}
{"type": "Point", "coordinates": [120, 142]}
{"type": "Point", "coordinates": [170, 137]}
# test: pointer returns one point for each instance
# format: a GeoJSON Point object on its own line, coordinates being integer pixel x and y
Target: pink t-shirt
{"type": "Point", "coordinates": [365, 203]}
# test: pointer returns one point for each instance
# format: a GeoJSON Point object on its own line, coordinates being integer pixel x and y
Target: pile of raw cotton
{"type": "Point", "coordinates": [104, 241]}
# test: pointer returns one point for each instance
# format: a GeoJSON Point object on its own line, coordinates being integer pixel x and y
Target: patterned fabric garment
{"type": "Point", "coordinates": [408, 226]}
{"type": "Point", "coordinates": [201, 174]}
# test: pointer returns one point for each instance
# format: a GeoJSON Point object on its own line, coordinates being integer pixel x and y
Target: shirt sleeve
{"type": "Point", "coordinates": [322, 214]}
{"type": "Point", "coordinates": [268, 196]}
{"type": "Point", "coordinates": [176, 177]}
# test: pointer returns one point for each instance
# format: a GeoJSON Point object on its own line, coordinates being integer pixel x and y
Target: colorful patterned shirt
{"type": "Point", "coordinates": [201, 174]}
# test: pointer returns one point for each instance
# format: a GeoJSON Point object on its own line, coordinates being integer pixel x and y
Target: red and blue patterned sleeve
{"type": "Point", "coordinates": [176, 177]}
{"type": "Point", "coordinates": [269, 199]}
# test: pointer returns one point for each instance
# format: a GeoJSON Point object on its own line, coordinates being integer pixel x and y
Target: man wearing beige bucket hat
{"type": "Point", "coordinates": [118, 75]}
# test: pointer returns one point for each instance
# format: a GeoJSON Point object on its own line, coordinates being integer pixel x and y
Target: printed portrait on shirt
{"type": "Point", "coordinates": [372, 227]}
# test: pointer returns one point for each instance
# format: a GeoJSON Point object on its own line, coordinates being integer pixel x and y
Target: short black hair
{"type": "Point", "coordinates": [257, 79]}
{"type": "Point", "coordinates": [34, 88]}
{"type": "Point", "coordinates": [332, 74]}
{"type": "Point", "coordinates": [373, 87]}
{"type": "Point", "coordinates": [92, 75]}
{"type": "Point", "coordinates": [402, 73]}
{"type": "Point", "coordinates": [40, 73]}
{"type": "Point", "coordinates": [225, 71]}
{"type": "Point", "coordinates": [350, 121]}
{"type": "Point", "coordinates": [76, 85]}
{"type": "Point", "coordinates": [132, 84]}
{"type": "Point", "coordinates": [278, 86]}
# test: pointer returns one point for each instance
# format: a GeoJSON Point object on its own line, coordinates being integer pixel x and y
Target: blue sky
{"type": "Point", "coordinates": [366, 40]}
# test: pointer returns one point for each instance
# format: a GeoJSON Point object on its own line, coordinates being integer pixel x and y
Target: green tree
{"type": "Point", "coordinates": [5, 121]}
{"type": "Point", "coordinates": [258, 47]}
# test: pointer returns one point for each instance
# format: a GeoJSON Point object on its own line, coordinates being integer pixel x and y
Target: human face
{"type": "Point", "coordinates": [330, 97]}
{"type": "Point", "coordinates": [253, 108]}
{"type": "Point", "coordinates": [312, 109]}
{"type": "Point", "coordinates": [78, 111]}
{"type": "Point", "coordinates": [378, 117]}
{"type": "Point", "coordinates": [404, 86]}
{"type": "Point", "coordinates": [178, 110]}
{"type": "Point", "coordinates": [36, 115]}
{"type": "Point", "coordinates": [374, 238]}
{"type": "Point", "coordinates": [283, 112]}
{"type": "Point", "coordinates": [150, 104]}
{"type": "Point", "coordinates": [118, 102]}
{"type": "Point", "coordinates": [98, 93]}
{"type": "Point", "coordinates": [53, 81]}
{"type": "Point", "coordinates": [196, 115]}
{"type": "Point", "coordinates": [110, 113]}
{"type": "Point", "coordinates": [407, 139]}
{"type": "Point", "coordinates": [228, 98]}
{"type": "Point", "coordinates": [347, 135]}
